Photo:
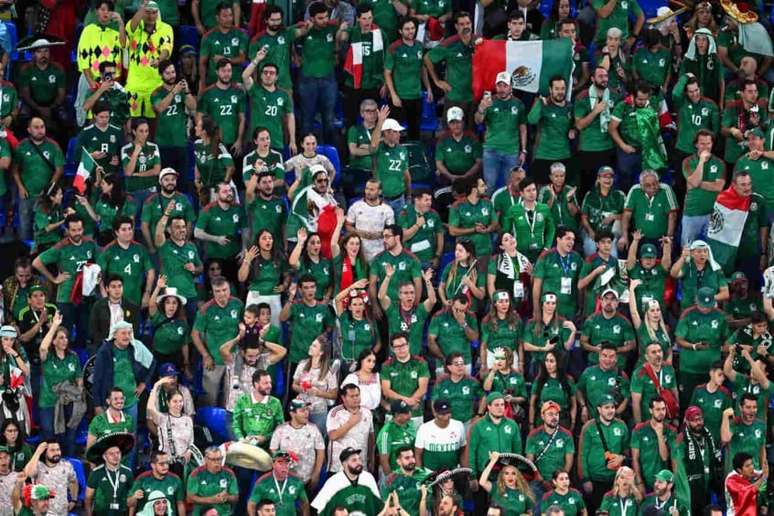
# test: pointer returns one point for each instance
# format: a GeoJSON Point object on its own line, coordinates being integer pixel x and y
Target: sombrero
{"type": "Point", "coordinates": [442, 476]}
{"type": "Point", "coordinates": [664, 13]}
{"type": "Point", "coordinates": [37, 41]}
{"type": "Point", "coordinates": [247, 456]}
{"type": "Point", "coordinates": [742, 12]}
{"type": "Point", "coordinates": [124, 441]}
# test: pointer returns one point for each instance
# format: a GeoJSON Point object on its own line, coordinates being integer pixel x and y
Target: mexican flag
{"type": "Point", "coordinates": [726, 225]}
{"type": "Point", "coordinates": [353, 62]}
{"type": "Point", "coordinates": [530, 63]}
{"type": "Point", "coordinates": [85, 169]}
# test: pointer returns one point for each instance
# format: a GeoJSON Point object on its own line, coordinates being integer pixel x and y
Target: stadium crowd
{"type": "Point", "coordinates": [310, 258]}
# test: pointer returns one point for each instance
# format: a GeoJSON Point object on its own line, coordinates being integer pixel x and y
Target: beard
{"type": "Point", "coordinates": [410, 467]}
{"type": "Point", "coordinates": [55, 459]}
{"type": "Point", "coordinates": [169, 188]}
{"type": "Point", "coordinates": [356, 470]}
{"type": "Point", "coordinates": [170, 82]}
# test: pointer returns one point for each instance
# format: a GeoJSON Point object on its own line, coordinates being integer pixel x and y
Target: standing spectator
{"type": "Point", "coordinates": [504, 198]}
{"type": "Point", "coordinates": [457, 52]}
{"type": "Point", "coordinates": [713, 399]}
{"type": "Point", "coordinates": [560, 197]}
{"type": "Point", "coordinates": [265, 210]}
{"type": "Point", "coordinates": [530, 222]}
{"type": "Point", "coordinates": [592, 112]}
{"type": "Point", "coordinates": [452, 330]}
{"type": "Point", "coordinates": [748, 68]}
{"type": "Point", "coordinates": [308, 318]}
{"type": "Point", "coordinates": [440, 443]}
{"type": "Point", "coordinates": [110, 201]}
{"type": "Point", "coordinates": [651, 209]}
{"type": "Point", "coordinates": [267, 487]}
{"type": "Point", "coordinates": [174, 429]}
{"type": "Point", "coordinates": [17, 289]}
{"type": "Point", "coordinates": [598, 271]}
{"type": "Point", "coordinates": [350, 485]}
{"type": "Point", "coordinates": [33, 322]}
{"type": "Point", "coordinates": [107, 453]}
{"type": "Point", "coordinates": [179, 258]}
{"type": "Point", "coordinates": [703, 62]}
{"type": "Point", "coordinates": [695, 269]}
{"type": "Point", "coordinates": [102, 140]}
{"type": "Point", "coordinates": [663, 494]}
{"type": "Point", "coordinates": [315, 381]}
{"type": "Point", "coordinates": [607, 325]}
{"type": "Point", "coordinates": [278, 41]}
{"type": "Point", "coordinates": [265, 263]}
{"type": "Point", "coordinates": [257, 414]}
{"type": "Point", "coordinates": [110, 92]}
{"type": "Point", "coordinates": [597, 381]}
{"type": "Point", "coordinates": [511, 492]}
{"type": "Point", "coordinates": [458, 155]}
{"type": "Point", "coordinates": [150, 41]}
{"type": "Point", "coordinates": [307, 259]}
{"type": "Point", "coordinates": [391, 160]}
{"type": "Point", "coordinates": [47, 468]}
{"type": "Point", "coordinates": [552, 384]}
{"type": "Point", "coordinates": [550, 446]}
{"type": "Point", "coordinates": [624, 493]}
{"type": "Point", "coordinates": [739, 117]}
{"type": "Point", "coordinates": [473, 216]}
{"type": "Point", "coordinates": [366, 378]}
{"type": "Point", "coordinates": [349, 424]}
{"type": "Point", "coordinates": [212, 486]}
{"type": "Point", "coordinates": [359, 167]}
{"type": "Point", "coordinates": [110, 417]}
{"type": "Point", "coordinates": [270, 106]}
{"type": "Point", "coordinates": [302, 438]}
{"type": "Point", "coordinates": [653, 430]}
{"type": "Point", "coordinates": [367, 219]}
{"type": "Point", "coordinates": [42, 89]}
{"type": "Point", "coordinates": [303, 164]}
{"type": "Point", "coordinates": [405, 265]}
{"type": "Point", "coordinates": [168, 200]}
{"type": "Point", "coordinates": [141, 162]}
{"type": "Point", "coordinates": [745, 434]}
{"type": "Point", "coordinates": [37, 163]}
{"type": "Point", "coordinates": [617, 13]}
{"type": "Point", "coordinates": [224, 102]}
{"type": "Point", "coordinates": [557, 271]}
{"type": "Point", "coordinates": [405, 377]}
{"type": "Point", "coordinates": [112, 308]}
{"type": "Point", "coordinates": [758, 164]}
{"type": "Point", "coordinates": [404, 484]}
{"type": "Point", "coordinates": [222, 225]}
{"type": "Point", "coordinates": [49, 218]}
{"type": "Point", "coordinates": [553, 116]}
{"type": "Point", "coordinates": [128, 260]}
{"type": "Point", "coordinates": [225, 41]}
{"type": "Point", "coordinates": [173, 102]}
{"type": "Point", "coordinates": [462, 390]}
{"type": "Point", "coordinates": [602, 210]}
{"type": "Point", "coordinates": [396, 436]}
{"type": "Point", "coordinates": [652, 62]}
{"type": "Point", "coordinates": [743, 485]}
{"type": "Point", "coordinates": [705, 176]}
{"type": "Point", "coordinates": [214, 164]}
{"type": "Point", "coordinates": [422, 229]}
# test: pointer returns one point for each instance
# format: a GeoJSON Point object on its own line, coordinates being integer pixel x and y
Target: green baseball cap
{"type": "Point", "coordinates": [606, 399]}
{"type": "Point", "coordinates": [649, 251]}
{"type": "Point", "coordinates": [152, 6]}
{"type": "Point", "coordinates": [738, 275]}
{"type": "Point", "coordinates": [756, 132]}
{"type": "Point", "coordinates": [705, 298]}
{"type": "Point", "coordinates": [494, 396]}
{"type": "Point", "coordinates": [665, 476]}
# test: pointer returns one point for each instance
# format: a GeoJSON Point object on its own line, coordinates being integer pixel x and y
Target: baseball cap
{"type": "Point", "coordinates": [36, 288]}
{"type": "Point", "coordinates": [550, 405]}
{"type": "Point", "coordinates": [756, 132]}
{"type": "Point", "coordinates": [609, 291]}
{"type": "Point", "coordinates": [454, 113]}
{"type": "Point", "coordinates": [8, 331]}
{"type": "Point", "coordinates": [281, 454]}
{"type": "Point", "coordinates": [399, 407]}
{"type": "Point", "coordinates": [347, 453]}
{"type": "Point", "coordinates": [606, 400]}
{"type": "Point", "coordinates": [392, 124]}
{"type": "Point", "coordinates": [503, 77]}
{"type": "Point", "coordinates": [152, 6]}
{"type": "Point", "coordinates": [494, 396]}
{"type": "Point", "coordinates": [168, 369]}
{"type": "Point", "coordinates": [605, 170]}
{"type": "Point", "coordinates": [665, 476]}
{"type": "Point", "coordinates": [648, 251]}
{"type": "Point", "coordinates": [705, 298]}
{"type": "Point", "coordinates": [441, 407]}
{"type": "Point", "coordinates": [298, 403]}
{"type": "Point", "coordinates": [166, 172]}
{"type": "Point", "coordinates": [738, 275]}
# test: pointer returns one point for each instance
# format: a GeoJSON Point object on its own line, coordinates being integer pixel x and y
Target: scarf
{"type": "Point", "coordinates": [754, 38]}
{"type": "Point", "coordinates": [694, 461]}
{"type": "Point", "coordinates": [604, 116]}
{"type": "Point", "coordinates": [507, 268]}
{"type": "Point", "coordinates": [692, 54]}
{"type": "Point", "coordinates": [347, 273]}
{"type": "Point", "coordinates": [699, 244]}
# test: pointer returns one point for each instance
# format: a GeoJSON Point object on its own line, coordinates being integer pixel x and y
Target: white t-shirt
{"type": "Point", "coordinates": [433, 439]}
{"type": "Point", "coordinates": [370, 218]}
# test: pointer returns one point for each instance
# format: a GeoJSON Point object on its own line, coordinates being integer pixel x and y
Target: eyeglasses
{"type": "Point", "coordinates": [214, 459]}
{"type": "Point", "coordinates": [458, 363]}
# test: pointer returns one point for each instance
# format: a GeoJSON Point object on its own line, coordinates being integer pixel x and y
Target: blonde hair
{"type": "Point", "coordinates": [521, 485]}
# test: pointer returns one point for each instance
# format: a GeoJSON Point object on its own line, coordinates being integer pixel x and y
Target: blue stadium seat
{"type": "Point", "coordinates": [13, 38]}
{"type": "Point", "coordinates": [70, 165]}
{"type": "Point", "coordinates": [214, 418]}
{"type": "Point", "coordinates": [330, 152]}
{"type": "Point", "coordinates": [446, 259]}
{"type": "Point", "coordinates": [429, 120]}
{"type": "Point", "coordinates": [74, 53]}
{"type": "Point", "coordinates": [649, 7]}
{"type": "Point", "coordinates": [189, 36]}
{"type": "Point", "coordinates": [80, 474]}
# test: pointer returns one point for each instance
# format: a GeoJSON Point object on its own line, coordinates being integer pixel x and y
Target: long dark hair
{"type": "Point", "coordinates": [117, 196]}
{"type": "Point", "coordinates": [561, 376]}
{"type": "Point", "coordinates": [45, 202]}
{"type": "Point", "coordinates": [213, 132]}
{"type": "Point", "coordinates": [361, 358]}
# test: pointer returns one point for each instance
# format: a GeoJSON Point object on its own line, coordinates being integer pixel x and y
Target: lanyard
{"type": "Point", "coordinates": [624, 505]}
{"type": "Point", "coordinates": [115, 484]}
{"type": "Point", "coordinates": [531, 221]}
{"type": "Point", "coordinates": [565, 262]}
{"type": "Point", "coordinates": [280, 491]}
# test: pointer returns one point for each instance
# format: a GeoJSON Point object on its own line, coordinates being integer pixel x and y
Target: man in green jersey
{"type": "Point", "coordinates": [69, 256]}
{"type": "Point", "coordinates": [473, 216]}
{"type": "Point", "coordinates": [222, 226]}
{"type": "Point", "coordinates": [739, 117]}
{"type": "Point", "coordinates": [608, 325]}
{"type": "Point", "coordinates": [550, 446]}
{"type": "Point", "coordinates": [213, 485]}
{"type": "Point", "coordinates": [203, 13]}
{"type": "Point", "coordinates": [158, 479]}
{"type": "Point", "coordinates": [397, 434]}
{"type": "Point", "coordinates": [224, 41]}
{"type": "Point", "coordinates": [597, 381]}
{"type": "Point", "coordinates": [695, 268]}
{"type": "Point", "coordinates": [42, 89]}
{"type": "Point", "coordinates": [225, 103]}
{"type": "Point", "coordinates": [405, 315]}
{"type": "Point", "coordinates": [603, 443]}
{"type": "Point", "coordinates": [713, 399]}
{"type": "Point", "coordinates": [651, 208]}
{"type": "Point", "coordinates": [504, 116]}
{"type": "Point", "coordinates": [662, 497]}
{"type": "Point", "coordinates": [462, 390]}
{"type": "Point", "coordinates": [644, 388]}
{"type": "Point", "coordinates": [655, 432]}
{"type": "Point", "coordinates": [695, 113]}
{"type": "Point", "coordinates": [406, 266]}
{"type": "Point", "coordinates": [108, 484]}
{"type": "Point", "coordinates": [745, 433]}
{"type": "Point", "coordinates": [705, 176]}
{"type": "Point", "coordinates": [422, 229]}
{"type": "Point", "coordinates": [598, 272]}
{"type": "Point", "coordinates": [308, 318]}
{"type": "Point", "coordinates": [616, 13]}
{"type": "Point", "coordinates": [493, 432]}
{"type": "Point", "coordinates": [453, 329]}
{"type": "Point", "coordinates": [530, 222]}
{"type": "Point", "coordinates": [277, 40]}
{"type": "Point", "coordinates": [759, 166]}
{"type": "Point", "coordinates": [270, 106]}
{"type": "Point", "coordinates": [553, 116]}
{"type": "Point", "coordinates": [592, 111]}
{"type": "Point", "coordinates": [458, 155]}
{"type": "Point", "coordinates": [110, 92]}
{"type": "Point", "coordinates": [404, 482]}
{"type": "Point", "coordinates": [172, 102]}
{"type": "Point", "coordinates": [102, 140]}
{"type": "Point", "coordinates": [457, 52]}
{"type": "Point", "coordinates": [216, 323]}
{"type": "Point", "coordinates": [125, 258]}
{"type": "Point", "coordinates": [281, 487]}
{"type": "Point", "coordinates": [265, 210]}
{"type": "Point", "coordinates": [257, 414]}
{"type": "Point", "coordinates": [264, 159]}
{"type": "Point", "coordinates": [405, 377]}
{"type": "Point", "coordinates": [156, 205]}
{"type": "Point", "coordinates": [391, 160]}
{"type": "Point", "coordinates": [506, 197]}
{"type": "Point", "coordinates": [557, 271]}
{"type": "Point", "coordinates": [109, 418]}
{"type": "Point", "coordinates": [404, 75]}
{"type": "Point", "coordinates": [359, 167]}
{"type": "Point", "coordinates": [37, 162]}
{"type": "Point", "coordinates": [179, 257]}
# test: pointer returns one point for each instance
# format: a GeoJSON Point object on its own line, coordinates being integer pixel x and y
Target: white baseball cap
{"type": "Point", "coordinates": [166, 172]}
{"type": "Point", "coordinates": [392, 124]}
{"type": "Point", "coordinates": [454, 113]}
{"type": "Point", "coordinates": [503, 77]}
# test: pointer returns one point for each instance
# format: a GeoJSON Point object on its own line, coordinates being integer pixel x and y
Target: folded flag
{"type": "Point", "coordinates": [85, 168]}
{"type": "Point", "coordinates": [726, 225]}
{"type": "Point", "coordinates": [530, 63]}
{"type": "Point", "coordinates": [353, 63]}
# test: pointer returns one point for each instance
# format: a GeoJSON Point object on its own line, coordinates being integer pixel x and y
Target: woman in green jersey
{"type": "Point", "coordinates": [546, 332]}
{"type": "Point", "coordinates": [265, 266]}
{"type": "Point", "coordinates": [462, 276]}
{"type": "Point", "coordinates": [11, 437]}
{"type": "Point", "coordinates": [356, 325]}
{"type": "Point", "coordinates": [562, 495]}
{"type": "Point", "coordinates": [350, 265]}
{"type": "Point", "coordinates": [503, 378]}
{"type": "Point", "coordinates": [511, 492]}
{"type": "Point", "coordinates": [171, 333]}
{"type": "Point", "coordinates": [501, 328]}
{"type": "Point", "coordinates": [112, 202]}
{"type": "Point", "coordinates": [560, 10]}
{"type": "Point", "coordinates": [553, 384]}
{"type": "Point", "coordinates": [49, 218]}
{"type": "Point", "coordinates": [213, 163]}
{"type": "Point", "coordinates": [306, 258]}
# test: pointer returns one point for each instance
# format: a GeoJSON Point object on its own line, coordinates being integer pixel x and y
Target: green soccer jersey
{"type": "Point", "coordinates": [513, 501]}
{"type": "Point", "coordinates": [211, 165]}
{"type": "Point", "coordinates": [594, 137]}
{"type": "Point", "coordinates": [208, 12]}
{"type": "Point", "coordinates": [5, 152]}
{"type": "Point", "coordinates": [503, 199]}
{"type": "Point", "coordinates": [458, 57]}
{"type": "Point", "coordinates": [560, 276]}
{"type": "Point", "coordinates": [266, 275]}
{"type": "Point", "coordinates": [560, 208]}
{"type": "Point", "coordinates": [217, 44]}
{"type": "Point", "coordinates": [285, 494]}
{"type": "Point", "coordinates": [130, 264]}
{"type": "Point", "coordinates": [359, 136]}
{"type": "Point", "coordinates": [393, 436]}
{"type": "Point", "coordinates": [172, 121]}
{"type": "Point", "coordinates": [712, 405]}
{"type": "Point", "coordinates": [318, 52]}
{"type": "Point", "coordinates": [571, 503]}
{"type": "Point", "coordinates": [31, 158]}
{"type": "Point", "coordinates": [390, 165]}
{"type": "Point", "coordinates": [617, 330]}
{"type": "Point", "coordinates": [404, 376]}
{"type": "Point", "coordinates": [407, 487]}
{"type": "Point", "coordinates": [463, 396]}
{"type": "Point", "coordinates": [411, 322]}
{"type": "Point", "coordinates": [644, 386]}
{"type": "Point", "coordinates": [696, 327]}
{"type": "Point", "coordinates": [597, 207]}
{"type": "Point", "coordinates": [356, 336]}
{"type": "Point", "coordinates": [217, 221]}
{"type": "Point", "coordinates": [652, 67]}
{"type": "Point", "coordinates": [699, 201]}
{"type": "Point", "coordinates": [592, 461]}
{"type": "Point", "coordinates": [107, 213]}
{"type": "Point", "coordinates": [204, 484]}
{"type": "Point", "coordinates": [595, 288]}
{"type": "Point", "coordinates": [155, 204]}
{"type": "Point", "coordinates": [218, 324]}
{"type": "Point", "coordinates": [173, 258]}
{"type": "Point", "coordinates": [692, 279]}
{"type": "Point", "coordinates": [224, 106]}
{"type": "Point", "coordinates": [751, 246]}
{"type": "Point", "coordinates": [107, 140]}
{"type": "Point", "coordinates": [9, 98]}
{"type": "Point", "coordinates": [435, 8]}
{"type": "Point", "coordinates": [708, 70]}
{"type": "Point", "coordinates": [450, 335]}
{"type": "Point", "coordinates": [619, 18]}
{"type": "Point", "coordinates": [111, 488]}
{"type": "Point", "coordinates": [40, 222]}
{"type": "Point", "coordinates": [171, 486]}
{"type": "Point", "coordinates": [272, 162]}
{"type": "Point", "coordinates": [268, 214]}
{"type": "Point", "coordinates": [501, 333]}
{"type": "Point", "coordinates": [405, 64]}
{"type": "Point", "coordinates": [451, 280]}
{"type": "Point", "coordinates": [321, 271]}
{"type": "Point", "coordinates": [465, 215]}
{"type": "Point", "coordinates": [553, 125]}
{"type": "Point", "coordinates": [746, 438]}
{"type": "Point", "coordinates": [423, 242]}
{"type": "Point", "coordinates": [102, 425]}
{"type": "Point", "coordinates": [549, 449]}
{"type": "Point", "coordinates": [553, 390]}
{"type": "Point", "coordinates": [277, 51]}
{"type": "Point", "coordinates": [123, 376]}
{"type": "Point", "coordinates": [69, 258]}
{"type": "Point", "coordinates": [307, 322]}
{"type": "Point", "coordinates": [406, 269]}
{"type": "Point", "coordinates": [269, 109]}
{"type": "Point", "coordinates": [651, 214]}
{"type": "Point", "coordinates": [644, 339]}
{"type": "Point", "coordinates": [255, 417]}
{"type": "Point", "coordinates": [534, 229]}
{"type": "Point", "coordinates": [595, 383]}
{"type": "Point", "coordinates": [511, 384]}
{"type": "Point", "coordinates": [487, 436]}
{"type": "Point", "coordinates": [503, 120]}
{"type": "Point", "coordinates": [618, 506]}
{"type": "Point", "coordinates": [57, 370]}
{"type": "Point", "coordinates": [44, 84]}
{"type": "Point", "coordinates": [169, 335]}
{"type": "Point", "coordinates": [148, 158]}
{"type": "Point", "coordinates": [458, 156]}
{"type": "Point", "coordinates": [385, 17]}
{"type": "Point", "coordinates": [743, 385]}
{"type": "Point", "coordinates": [693, 116]}
{"type": "Point", "coordinates": [760, 171]}
{"type": "Point", "coordinates": [372, 60]}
